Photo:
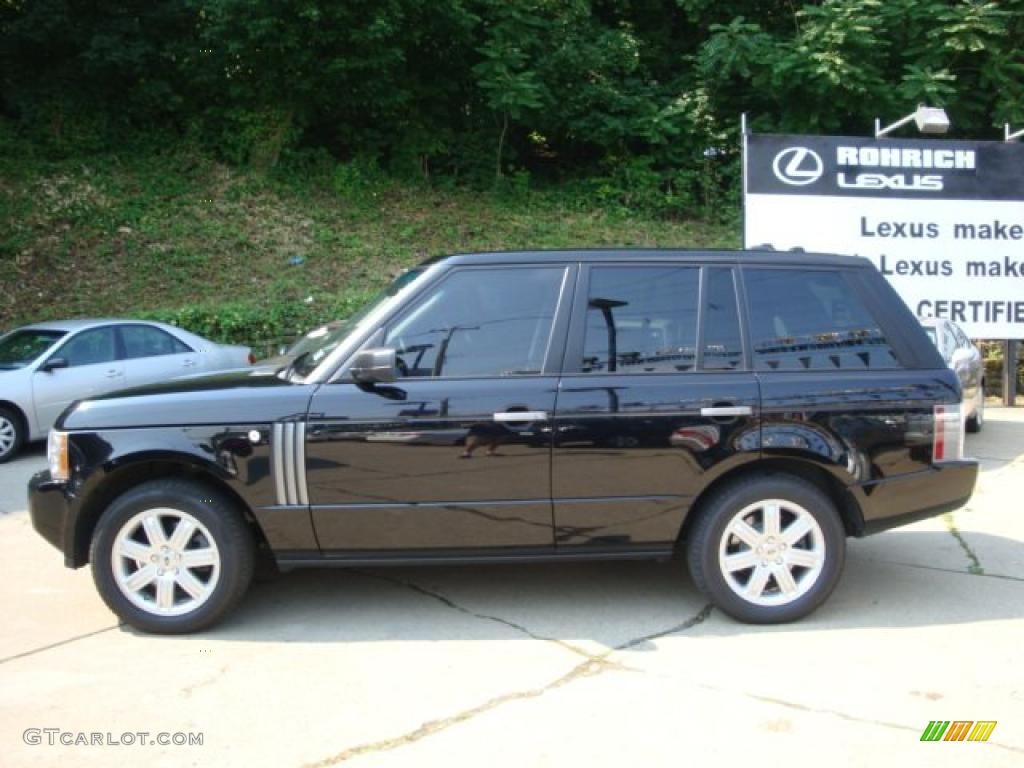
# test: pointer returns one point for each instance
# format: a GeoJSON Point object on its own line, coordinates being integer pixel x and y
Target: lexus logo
{"type": "Point", "coordinates": [798, 166]}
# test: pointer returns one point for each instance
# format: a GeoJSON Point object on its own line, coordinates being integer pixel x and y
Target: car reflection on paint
{"type": "Point", "coordinates": [698, 438]}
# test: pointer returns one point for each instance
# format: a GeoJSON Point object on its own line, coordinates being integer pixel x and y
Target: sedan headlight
{"type": "Point", "coordinates": [57, 455]}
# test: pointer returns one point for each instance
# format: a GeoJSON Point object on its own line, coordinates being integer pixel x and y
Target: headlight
{"type": "Point", "coordinates": [57, 455]}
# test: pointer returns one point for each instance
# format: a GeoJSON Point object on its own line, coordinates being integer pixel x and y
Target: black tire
{"type": "Point", "coordinates": [707, 536]}
{"type": "Point", "coordinates": [977, 420]}
{"type": "Point", "coordinates": [229, 532]}
{"type": "Point", "coordinates": [11, 425]}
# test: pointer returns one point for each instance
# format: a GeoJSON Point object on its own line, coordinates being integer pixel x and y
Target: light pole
{"type": "Point", "coordinates": [931, 120]}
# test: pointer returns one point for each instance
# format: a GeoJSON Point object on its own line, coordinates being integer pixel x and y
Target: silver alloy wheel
{"type": "Point", "coordinates": [8, 435]}
{"type": "Point", "coordinates": [772, 552]}
{"type": "Point", "coordinates": [165, 562]}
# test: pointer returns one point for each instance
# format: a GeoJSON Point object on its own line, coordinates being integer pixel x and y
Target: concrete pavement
{"type": "Point", "coordinates": [597, 664]}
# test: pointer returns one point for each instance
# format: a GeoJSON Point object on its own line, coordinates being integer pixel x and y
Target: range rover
{"type": "Point", "coordinates": [751, 410]}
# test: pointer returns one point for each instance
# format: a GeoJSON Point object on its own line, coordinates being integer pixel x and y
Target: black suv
{"type": "Point", "coordinates": [753, 408]}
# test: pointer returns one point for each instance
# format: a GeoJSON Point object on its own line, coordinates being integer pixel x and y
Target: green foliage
{"type": "Point", "coordinates": [630, 95]}
{"type": "Point", "coordinates": [358, 182]}
{"type": "Point", "coordinates": [250, 256]}
{"type": "Point", "coordinates": [259, 324]}
{"type": "Point", "coordinates": [843, 62]}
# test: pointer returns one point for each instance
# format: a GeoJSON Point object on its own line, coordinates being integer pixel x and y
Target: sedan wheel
{"type": "Point", "coordinates": [977, 419]}
{"type": "Point", "coordinates": [11, 434]}
{"type": "Point", "coordinates": [172, 556]}
{"type": "Point", "coordinates": [767, 549]}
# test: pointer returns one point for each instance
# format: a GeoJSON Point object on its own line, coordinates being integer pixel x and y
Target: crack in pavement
{"type": "Point", "coordinates": [585, 668]}
{"type": "Point", "coordinates": [188, 690]}
{"type": "Point", "coordinates": [690, 623]}
{"type": "Point", "coordinates": [974, 564]}
{"type": "Point", "coordinates": [444, 600]}
{"type": "Point", "coordinates": [590, 666]}
{"type": "Point", "coordinates": [955, 571]}
{"type": "Point", "coordinates": [58, 644]}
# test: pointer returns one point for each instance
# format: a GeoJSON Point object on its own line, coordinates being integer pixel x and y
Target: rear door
{"type": "Point", "coordinates": [656, 400]}
{"type": "Point", "coordinates": [152, 355]}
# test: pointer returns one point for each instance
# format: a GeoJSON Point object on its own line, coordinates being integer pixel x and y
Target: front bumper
{"type": "Point", "coordinates": [907, 498]}
{"type": "Point", "coordinates": [53, 514]}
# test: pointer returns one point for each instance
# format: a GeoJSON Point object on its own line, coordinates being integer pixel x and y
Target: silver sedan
{"type": "Point", "coordinates": [965, 359]}
{"type": "Point", "coordinates": [46, 366]}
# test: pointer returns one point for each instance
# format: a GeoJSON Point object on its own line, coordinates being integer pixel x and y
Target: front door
{"type": "Point", "coordinates": [455, 454]}
{"type": "Point", "coordinates": [93, 368]}
{"type": "Point", "coordinates": [656, 401]}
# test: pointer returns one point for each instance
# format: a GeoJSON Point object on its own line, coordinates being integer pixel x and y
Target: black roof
{"type": "Point", "coordinates": [754, 256]}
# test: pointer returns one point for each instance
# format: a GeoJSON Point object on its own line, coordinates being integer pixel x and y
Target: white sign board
{"type": "Point", "coordinates": [942, 220]}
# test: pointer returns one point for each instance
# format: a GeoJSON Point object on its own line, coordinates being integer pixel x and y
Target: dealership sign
{"type": "Point", "coordinates": [942, 220]}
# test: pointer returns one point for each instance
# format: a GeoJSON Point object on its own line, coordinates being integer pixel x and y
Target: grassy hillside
{"type": "Point", "coordinates": [243, 256]}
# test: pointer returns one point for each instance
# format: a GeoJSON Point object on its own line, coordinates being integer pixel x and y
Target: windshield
{"type": "Point", "coordinates": [314, 338]}
{"type": "Point", "coordinates": [311, 350]}
{"type": "Point", "coordinates": [19, 348]}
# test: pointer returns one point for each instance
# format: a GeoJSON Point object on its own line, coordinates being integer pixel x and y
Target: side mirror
{"type": "Point", "coordinates": [377, 365]}
{"type": "Point", "coordinates": [53, 364]}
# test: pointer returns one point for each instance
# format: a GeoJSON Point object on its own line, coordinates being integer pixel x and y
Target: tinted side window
{"type": "Point", "coordinates": [641, 320]}
{"type": "Point", "coordinates": [812, 320]}
{"type": "Point", "coordinates": [146, 341]}
{"type": "Point", "coordinates": [90, 347]}
{"type": "Point", "coordinates": [480, 322]}
{"type": "Point", "coordinates": [723, 345]}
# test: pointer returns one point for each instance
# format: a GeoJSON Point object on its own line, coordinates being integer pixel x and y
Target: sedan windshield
{"type": "Point", "coordinates": [321, 342]}
{"type": "Point", "coordinates": [19, 348]}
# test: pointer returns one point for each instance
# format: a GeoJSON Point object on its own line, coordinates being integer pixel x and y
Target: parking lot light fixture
{"type": "Point", "coordinates": [1011, 136]}
{"type": "Point", "coordinates": [931, 120]}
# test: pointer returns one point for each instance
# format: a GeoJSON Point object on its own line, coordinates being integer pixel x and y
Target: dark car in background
{"type": "Point", "coordinates": [753, 409]}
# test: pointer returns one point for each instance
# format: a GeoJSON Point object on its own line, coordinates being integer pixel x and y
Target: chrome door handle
{"type": "Point", "coordinates": [727, 410]}
{"type": "Point", "coordinates": [521, 416]}
{"type": "Point", "coordinates": [188, 363]}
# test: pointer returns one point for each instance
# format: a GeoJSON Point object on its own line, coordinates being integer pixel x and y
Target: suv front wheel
{"type": "Point", "coordinates": [171, 556]}
{"type": "Point", "coordinates": [767, 549]}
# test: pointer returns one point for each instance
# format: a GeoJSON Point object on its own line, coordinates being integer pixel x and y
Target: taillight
{"type": "Point", "coordinates": [948, 441]}
{"type": "Point", "coordinates": [252, 359]}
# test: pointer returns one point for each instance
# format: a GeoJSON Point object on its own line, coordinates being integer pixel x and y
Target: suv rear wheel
{"type": "Point", "coordinates": [172, 556]}
{"type": "Point", "coordinates": [767, 549]}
